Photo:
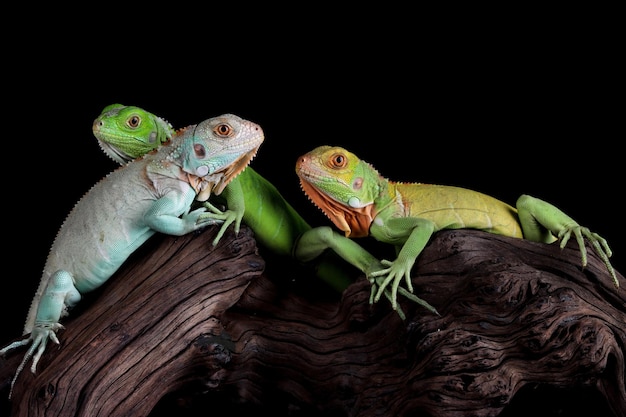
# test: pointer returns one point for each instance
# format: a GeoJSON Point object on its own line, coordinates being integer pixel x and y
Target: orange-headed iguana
{"type": "Point", "coordinates": [361, 202]}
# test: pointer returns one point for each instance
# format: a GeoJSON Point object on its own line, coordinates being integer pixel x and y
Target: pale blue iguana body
{"type": "Point", "coordinates": [128, 206]}
{"type": "Point", "coordinates": [361, 202]}
{"type": "Point", "coordinates": [127, 132]}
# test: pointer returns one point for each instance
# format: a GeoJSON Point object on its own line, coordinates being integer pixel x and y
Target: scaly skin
{"type": "Point", "coordinates": [128, 132]}
{"type": "Point", "coordinates": [128, 206]}
{"type": "Point", "coordinates": [360, 202]}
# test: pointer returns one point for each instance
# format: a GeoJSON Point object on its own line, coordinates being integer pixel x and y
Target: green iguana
{"type": "Point", "coordinates": [127, 132]}
{"type": "Point", "coordinates": [120, 212]}
{"type": "Point", "coordinates": [360, 202]}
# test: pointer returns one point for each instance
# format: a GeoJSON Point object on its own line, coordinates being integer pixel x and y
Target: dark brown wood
{"type": "Point", "coordinates": [514, 314]}
{"type": "Point", "coordinates": [175, 332]}
{"type": "Point", "coordinates": [153, 329]}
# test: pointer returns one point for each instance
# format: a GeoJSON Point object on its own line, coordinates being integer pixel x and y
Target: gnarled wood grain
{"type": "Point", "coordinates": [513, 314]}
{"type": "Point", "coordinates": [153, 329]}
{"type": "Point", "coordinates": [193, 330]}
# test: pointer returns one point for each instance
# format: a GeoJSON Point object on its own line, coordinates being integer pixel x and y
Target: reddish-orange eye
{"type": "Point", "coordinates": [338, 160]}
{"type": "Point", "coordinates": [223, 130]}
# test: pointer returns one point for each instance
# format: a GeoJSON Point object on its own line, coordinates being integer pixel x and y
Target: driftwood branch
{"type": "Point", "coordinates": [184, 326]}
{"type": "Point", "coordinates": [154, 328]}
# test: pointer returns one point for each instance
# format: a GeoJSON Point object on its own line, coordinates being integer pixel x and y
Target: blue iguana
{"type": "Point", "coordinates": [120, 212]}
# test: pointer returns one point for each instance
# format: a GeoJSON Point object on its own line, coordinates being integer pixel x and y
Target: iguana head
{"type": "Point", "coordinates": [128, 132]}
{"type": "Point", "coordinates": [215, 151]}
{"type": "Point", "coordinates": [341, 185]}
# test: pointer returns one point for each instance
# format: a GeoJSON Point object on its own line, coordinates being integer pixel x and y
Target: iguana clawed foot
{"type": "Point", "coordinates": [39, 338]}
{"type": "Point", "coordinates": [380, 280]}
{"type": "Point", "coordinates": [226, 216]}
{"type": "Point", "coordinates": [378, 285]}
{"type": "Point", "coordinates": [598, 242]}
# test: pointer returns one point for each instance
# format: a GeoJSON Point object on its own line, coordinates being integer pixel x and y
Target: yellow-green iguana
{"type": "Point", "coordinates": [361, 202]}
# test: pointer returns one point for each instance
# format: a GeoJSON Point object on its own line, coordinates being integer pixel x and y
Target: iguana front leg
{"type": "Point", "coordinates": [312, 243]}
{"type": "Point", "coordinates": [411, 235]}
{"type": "Point", "coordinates": [159, 218]}
{"type": "Point", "coordinates": [543, 222]}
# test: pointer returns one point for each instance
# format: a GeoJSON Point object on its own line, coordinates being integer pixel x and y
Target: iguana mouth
{"type": "Point", "coordinates": [354, 222]}
{"type": "Point", "coordinates": [215, 182]}
{"type": "Point", "coordinates": [114, 153]}
{"type": "Point", "coordinates": [234, 169]}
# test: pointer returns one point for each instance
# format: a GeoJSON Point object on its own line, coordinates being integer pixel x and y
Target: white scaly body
{"type": "Point", "coordinates": [128, 206]}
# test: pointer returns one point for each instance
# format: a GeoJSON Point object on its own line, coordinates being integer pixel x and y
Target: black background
{"type": "Point", "coordinates": [505, 101]}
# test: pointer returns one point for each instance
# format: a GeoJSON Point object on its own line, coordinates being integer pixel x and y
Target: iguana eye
{"type": "Point", "coordinates": [134, 121]}
{"type": "Point", "coordinates": [338, 160]}
{"type": "Point", "coordinates": [223, 129]}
